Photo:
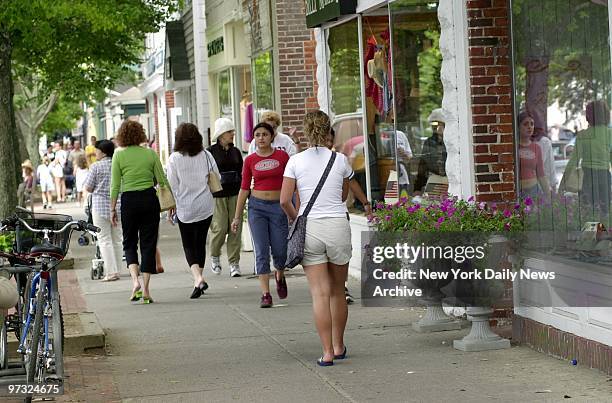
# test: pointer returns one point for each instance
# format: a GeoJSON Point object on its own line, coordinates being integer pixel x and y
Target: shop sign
{"type": "Point", "coordinates": [215, 47]}
{"type": "Point", "coordinates": [321, 11]}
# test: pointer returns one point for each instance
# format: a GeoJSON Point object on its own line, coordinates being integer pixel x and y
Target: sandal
{"type": "Point", "coordinates": [111, 278]}
{"type": "Point", "coordinates": [322, 363]}
{"type": "Point", "coordinates": [147, 300]}
{"type": "Point", "coordinates": [341, 356]}
{"type": "Point", "coordinates": [136, 295]}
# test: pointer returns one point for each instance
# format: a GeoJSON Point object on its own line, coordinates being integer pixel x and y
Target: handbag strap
{"type": "Point", "coordinates": [314, 196]}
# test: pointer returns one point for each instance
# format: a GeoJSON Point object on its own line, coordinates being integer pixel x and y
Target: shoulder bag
{"type": "Point", "coordinates": [214, 181]}
{"type": "Point", "coordinates": [297, 232]}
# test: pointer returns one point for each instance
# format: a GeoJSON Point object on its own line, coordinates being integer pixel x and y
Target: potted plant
{"type": "Point", "coordinates": [451, 222]}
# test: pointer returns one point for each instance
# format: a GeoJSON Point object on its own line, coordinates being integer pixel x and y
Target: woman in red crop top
{"type": "Point", "coordinates": [533, 179]}
{"type": "Point", "coordinates": [267, 220]}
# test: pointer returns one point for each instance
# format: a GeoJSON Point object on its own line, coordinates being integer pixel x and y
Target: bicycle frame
{"type": "Point", "coordinates": [32, 309]}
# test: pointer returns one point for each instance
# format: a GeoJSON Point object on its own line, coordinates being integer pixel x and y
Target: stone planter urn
{"type": "Point", "coordinates": [435, 319]}
{"type": "Point", "coordinates": [480, 292]}
{"type": "Point", "coordinates": [481, 337]}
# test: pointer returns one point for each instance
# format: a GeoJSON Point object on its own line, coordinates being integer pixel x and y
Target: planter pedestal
{"type": "Point", "coordinates": [481, 337]}
{"type": "Point", "coordinates": [435, 320]}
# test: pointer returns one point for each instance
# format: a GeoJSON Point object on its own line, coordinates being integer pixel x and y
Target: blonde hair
{"type": "Point", "coordinates": [317, 127]}
{"type": "Point", "coordinates": [271, 116]}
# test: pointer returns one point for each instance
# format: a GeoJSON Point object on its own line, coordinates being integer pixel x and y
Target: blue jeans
{"type": "Point", "coordinates": [269, 229]}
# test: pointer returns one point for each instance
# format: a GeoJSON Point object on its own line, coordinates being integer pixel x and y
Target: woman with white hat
{"type": "Point", "coordinates": [229, 162]}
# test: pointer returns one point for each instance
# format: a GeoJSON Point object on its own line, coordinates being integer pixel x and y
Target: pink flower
{"type": "Point", "coordinates": [471, 199]}
{"type": "Point", "coordinates": [440, 220]}
{"type": "Point", "coordinates": [388, 217]}
{"type": "Point", "coordinates": [507, 226]}
{"type": "Point", "coordinates": [528, 201]}
{"type": "Point", "coordinates": [482, 205]}
{"type": "Point", "coordinates": [507, 213]}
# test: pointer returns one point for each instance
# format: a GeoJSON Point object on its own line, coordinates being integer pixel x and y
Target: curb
{"type": "Point", "coordinates": [82, 332]}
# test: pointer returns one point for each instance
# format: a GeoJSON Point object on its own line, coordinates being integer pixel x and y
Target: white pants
{"type": "Point", "coordinates": [110, 241]}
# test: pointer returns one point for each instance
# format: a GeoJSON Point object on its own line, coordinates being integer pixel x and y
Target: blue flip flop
{"type": "Point", "coordinates": [341, 356]}
{"type": "Point", "coordinates": [322, 363]}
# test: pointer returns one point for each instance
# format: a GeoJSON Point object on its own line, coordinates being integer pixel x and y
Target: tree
{"type": "Point", "coordinates": [72, 47]}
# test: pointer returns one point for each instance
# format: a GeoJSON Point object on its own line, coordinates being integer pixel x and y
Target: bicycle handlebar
{"type": "Point", "coordinates": [79, 225]}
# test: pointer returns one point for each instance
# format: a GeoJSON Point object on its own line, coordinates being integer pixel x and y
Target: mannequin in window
{"type": "Point", "coordinates": [246, 119]}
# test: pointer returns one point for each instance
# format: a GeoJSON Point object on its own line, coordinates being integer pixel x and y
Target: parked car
{"type": "Point", "coordinates": [562, 151]}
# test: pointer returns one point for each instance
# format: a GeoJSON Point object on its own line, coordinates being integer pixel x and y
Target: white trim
{"type": "Point", "coordinates": [201, 65]}
{"type": "Point", "coordinates": [456, 102]}
{"type": "Point", "coordinates": [364, 6]}
{"type": "Point", "coordinates": [323, 73]}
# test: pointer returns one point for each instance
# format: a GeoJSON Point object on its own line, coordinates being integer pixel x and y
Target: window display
{"type": "Point", "coordinates": [563, 81]}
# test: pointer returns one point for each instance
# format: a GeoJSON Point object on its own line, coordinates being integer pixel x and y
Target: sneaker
{"type": "Point", "coordinates": [266, 301]}
{"type": "Point", "coordinates": [215, 264]}
{"type": "Point", "coordinates": [44, 206]}
{"type": "Point", "coordinates": [348, 296]}
{"type": "Point", "coordinates": [235, 270]}
{"type": "Point", "coordinates": [281, 287]}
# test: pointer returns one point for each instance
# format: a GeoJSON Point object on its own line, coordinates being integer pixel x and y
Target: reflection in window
{"type": "Point", "coordinates": [225, 95]}
{"type": "Point", "coordinates": [562, 72]}
{"type": "Point", "coordinates": [419, 120]}
{"type": "Point", "coordinates": [263, 82]}
{"type": "Point", "coordinates": [345, 95]}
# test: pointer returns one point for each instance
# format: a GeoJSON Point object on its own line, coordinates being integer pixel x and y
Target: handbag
{"type": "Point", "coordinates": [214, 180]}
{"type": "Point", "coordinates": [297, 232]}
{"type": "Point", "coordinates": [166, 199]}
{"type": "Point", "coordinates": [573, 176]}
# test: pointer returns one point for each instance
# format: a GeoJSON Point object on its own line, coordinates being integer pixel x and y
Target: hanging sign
{"type": "Point", "coordinates": [321, 11]}
{"type": "Point", "coordinates": [215, 46]}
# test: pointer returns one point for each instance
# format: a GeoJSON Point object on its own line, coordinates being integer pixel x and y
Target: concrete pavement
{"type": "Point", "coordinates": [223, 347]}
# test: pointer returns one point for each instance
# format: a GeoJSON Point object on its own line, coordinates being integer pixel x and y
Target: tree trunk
{"type": "Point", "coordinates": [31, 140]}
{"type": "Point", "coordinates": [8, 140]}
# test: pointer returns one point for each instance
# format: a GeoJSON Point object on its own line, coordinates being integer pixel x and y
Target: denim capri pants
{"type": "Point", "coordinates": [269, 230]}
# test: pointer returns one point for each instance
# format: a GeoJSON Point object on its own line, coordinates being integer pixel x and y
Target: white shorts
{"type": "Point", "coordinates": [327, 240]}
{"type": "Point", "coordinates": [47, 185]}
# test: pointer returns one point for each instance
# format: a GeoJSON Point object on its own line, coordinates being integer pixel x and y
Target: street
{"type": "Point", "coordinates": [223, 347]}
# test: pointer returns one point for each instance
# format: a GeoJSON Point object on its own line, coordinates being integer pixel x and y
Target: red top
{"type": "Point", "coordinates": [531, 161]}
{"type": "Point", "coordinates": [267, 171]}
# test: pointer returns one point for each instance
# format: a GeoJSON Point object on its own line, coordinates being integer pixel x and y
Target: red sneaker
{"type": "Point", "coordinates": [266, 301]}
{"type": "Point", "coordinates": [281, 287]}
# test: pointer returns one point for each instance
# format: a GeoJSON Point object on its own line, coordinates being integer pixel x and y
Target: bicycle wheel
{"type": "Point", "coordinates": [56, 335]}
{"type": "Point", "coordinates": [34, 339]}
{"type": "Point", "coordinates": [3, 346]}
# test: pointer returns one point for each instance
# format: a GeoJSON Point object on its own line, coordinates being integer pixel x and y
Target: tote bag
{"type": "Point", "coordinates": [214, 181]}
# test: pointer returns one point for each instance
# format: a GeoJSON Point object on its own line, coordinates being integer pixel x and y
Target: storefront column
{"type": "Point", "coordinates": [455, 102]}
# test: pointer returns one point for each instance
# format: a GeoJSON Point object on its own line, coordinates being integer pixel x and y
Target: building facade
{"type": "Point", "coordinates": [500, 75]}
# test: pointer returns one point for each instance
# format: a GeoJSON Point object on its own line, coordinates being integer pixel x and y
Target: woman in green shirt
{"type": "Point", "coordinates": [594, 153]}
{"type": "Point", "coordinates": [135, 171]}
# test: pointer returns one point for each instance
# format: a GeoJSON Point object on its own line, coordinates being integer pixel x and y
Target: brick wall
{"type": "Point", "coordinates": [567, 346]}
{"type": "Point", "coordinates": [297, 64]}
{"type": "Point", "coordinates": [491, 86]}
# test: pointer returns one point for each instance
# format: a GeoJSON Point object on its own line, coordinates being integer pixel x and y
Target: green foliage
{"type": "Point", "coordinates": [430, 84]}
{"type": "Point", "coordinates": [449, 215]}
{"type": "Point", "coordinates": [344, 65]}
{"type": "Point", "coordinates": [6, 242]}
{"type": "Point", "coordinates": [80, 46]}
{"type": "Point", "coordinates": [63, 117]}
{"type": "Point", "coordinates": [264, 90]}
{"type": "Point", "coordinates": [572, 36]}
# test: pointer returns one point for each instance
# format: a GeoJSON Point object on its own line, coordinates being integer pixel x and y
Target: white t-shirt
{"type": "Point", "coordinates": [307, 168]}
{"type": "Point", "coordinates": [548, 159]}
{"type": "Point", "coordinates": [188, 178]}
{"type": "Point", "coordinates": [281, 142]}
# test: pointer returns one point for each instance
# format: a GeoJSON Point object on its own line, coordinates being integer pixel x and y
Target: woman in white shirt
{"type": "Point", "coordinates": [327, 249]}
{"type": "Point", "coordinates": [188, 170]}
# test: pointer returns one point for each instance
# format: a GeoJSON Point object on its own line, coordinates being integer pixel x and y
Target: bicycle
{"type": "Point", "coordinates": [40, 330]}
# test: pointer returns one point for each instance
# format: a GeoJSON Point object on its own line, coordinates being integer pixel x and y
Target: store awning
{"type": "Point", "coordinates": [177, 66]}
{"type": "Point", "coordinates": [322, 11]}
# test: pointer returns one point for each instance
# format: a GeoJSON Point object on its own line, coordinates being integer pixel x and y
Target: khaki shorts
{"type": "Point", "coordinates": [327, 240]}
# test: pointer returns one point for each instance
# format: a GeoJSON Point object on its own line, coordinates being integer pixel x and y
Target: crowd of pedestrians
{"type": "Point", "coordinates": [275, 184]}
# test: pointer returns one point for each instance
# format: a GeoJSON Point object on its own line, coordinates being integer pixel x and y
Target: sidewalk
{"type": "Point", "coordinates": [223, 347]}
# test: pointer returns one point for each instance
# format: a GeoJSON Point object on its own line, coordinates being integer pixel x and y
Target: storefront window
{"type": "Point", "coordinates": [419, 121]}
{"type": "Point", "coordinates": [225, 95]}
{"type": "Point", "coordinates": [562, 74]}
{"type": "Point", "coordinates": [263, 82]}
{"type": "Point", "coordinates": [345, 99]}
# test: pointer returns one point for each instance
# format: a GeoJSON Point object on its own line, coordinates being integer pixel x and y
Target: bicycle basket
{"type": "Point", "coordinates": [25, 239]}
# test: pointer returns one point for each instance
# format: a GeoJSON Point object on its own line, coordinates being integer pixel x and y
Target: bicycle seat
{"type": "Point", "coordinates": [47, 248]}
